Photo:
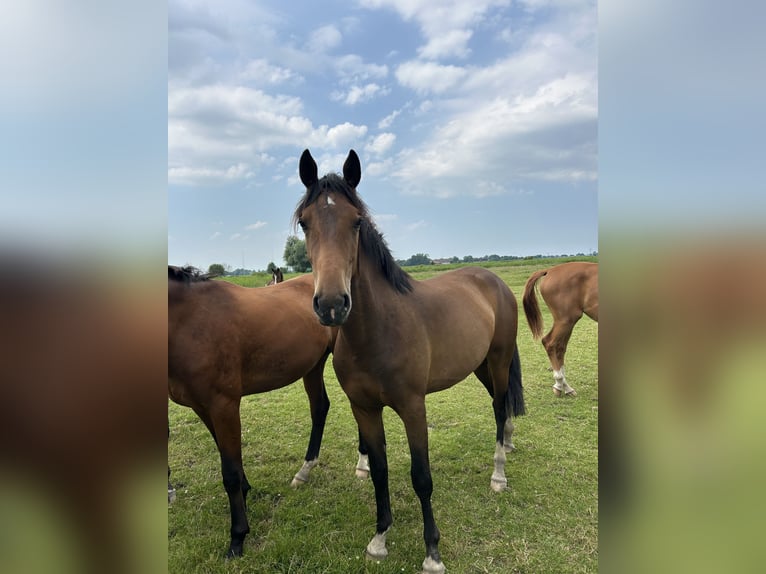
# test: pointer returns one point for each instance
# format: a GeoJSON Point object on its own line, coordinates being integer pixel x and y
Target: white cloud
{"type": "Point", "coordinates": [428, 77]}
{"type": "Point", "coordinates": [238, 237]}
{"type": "Point", "coordinates": [381, 143]}
{"type": "Point", "coordinates": [215, 235]}
{"type": "Point", "coordinates": [324, 39]}
{"type": "Point", "coordinates": [447, 25]}
{"type": "Point", "coordinates": [352, 67]}
{"type": "Point", "coordinates": [386, 122]}
{"type": "Point", "coordinates": [257, 225]}
{"type": "Point", "coordinates": [222, 133]}
{"type": "Point", "coordinates": [192, 175]}
{"type": "Point", "coordinates": [453, 43]}
{"type": "Point", "coordinates": [340, 136]}
{"type": "Point", "coordinates": [359, 94]}
{"type": "Point", "coordinates": [262, 72]}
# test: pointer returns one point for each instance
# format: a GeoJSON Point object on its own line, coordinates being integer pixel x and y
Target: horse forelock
{"type": "Point", "coordinates": [371, 242]}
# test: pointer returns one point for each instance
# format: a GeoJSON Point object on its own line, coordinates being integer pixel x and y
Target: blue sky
{"type": "Point", "coordinates": [475, 121]}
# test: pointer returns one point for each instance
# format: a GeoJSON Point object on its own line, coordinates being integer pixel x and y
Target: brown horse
{"type": "Point", "coordinates": [400, 339]}
{"type": "Point", "coordinates": [219, 351]}
{"type": "Point", "coordinates": [569, 290]}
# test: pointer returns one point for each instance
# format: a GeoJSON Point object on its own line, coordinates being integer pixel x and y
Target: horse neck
{"type": "Point", "coordinates": [371, 295]}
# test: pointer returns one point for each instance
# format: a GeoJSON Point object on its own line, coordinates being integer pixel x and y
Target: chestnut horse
{"type": "Point", "coordinates": [219, 350]}
{"type": "Point", "coordinates": [399, 339]}
{"type": "Point", "coordinates": [569, 290]}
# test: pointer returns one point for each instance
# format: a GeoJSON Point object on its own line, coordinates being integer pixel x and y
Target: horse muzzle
{"type": "Point", "coordinates": [332, 311]}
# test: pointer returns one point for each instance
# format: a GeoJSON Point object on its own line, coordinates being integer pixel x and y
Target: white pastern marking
{"type": "Point", "coordinates": [363, 466]}
{"type": "Point", "coordinates": [499, 482]}
{"type": "Point", "coordinates": [431, 566]}
{"type": "Point", "coordinates": [377, 547]}
{"type": "Point", "coordinates": [302, 476]}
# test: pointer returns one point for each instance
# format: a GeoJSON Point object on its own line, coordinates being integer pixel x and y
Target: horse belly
{"type": "Point", "coordinates": [277, 370]}
{"type": "Point", "coordinates": [177, 393]}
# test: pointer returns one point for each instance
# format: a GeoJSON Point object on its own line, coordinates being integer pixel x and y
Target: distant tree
{"type": "Point", "coordinates": [295, 254]}
{"type": "Point", "coordinates": [468, 259]}
{"type": "Point", "coordinates": [418, 259]}
{"type": "Point", "coordinates": [217, 268]}
{"type": "Point", "coordinates": [454, 259]}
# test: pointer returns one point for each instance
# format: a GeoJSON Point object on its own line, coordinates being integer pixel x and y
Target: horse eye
{"type": "Point", "coordinates": [358, 223]}
{"type": "Point", "coordinates": [302, 224]}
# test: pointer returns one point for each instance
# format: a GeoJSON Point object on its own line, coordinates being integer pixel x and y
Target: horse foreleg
{"type": "Point", "coordinates": [371, 429]}
{"type": "Point", "coordinates": [420, 472]}
{"type": "Point", "coordinates": [363, 464]}
{"type": "Point", "coordinates": [229, 438]}
{"type": "Point", "coordinates": [319, 402]}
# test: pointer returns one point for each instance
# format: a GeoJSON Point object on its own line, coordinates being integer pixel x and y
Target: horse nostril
{"type": "Point", "coordinates": [346, 302]}
{"type": "Point", "coordinates": [315, 301]}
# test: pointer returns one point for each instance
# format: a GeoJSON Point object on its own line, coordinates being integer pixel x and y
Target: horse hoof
{"type": "Point", "coordinates": [556, 392]}
{"type": "Point", "coordinates": [171, 495]}
{"type": "Point", "coordinates": [297, 482]}
{"type": "Point", "coordinates": [509, 447]}
{"type": "Point", "coordinates": [378, 557]}
{"type": "Point", "coordinates": [571, 393]}
{"type": "Point", "coordinates": [431, 566]}
{"type": "Point", "coordinates": [362, 473]}
{"type": "Point", "coordinates": [498, 485]}
{"type": "Point", "coordinates": [234, 552]}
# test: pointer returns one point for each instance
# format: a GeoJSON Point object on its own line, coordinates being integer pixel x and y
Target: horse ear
{"type": "Point", "coordinates": [308, 169]}
{"type": "Point", "coordinates": [352, 169]}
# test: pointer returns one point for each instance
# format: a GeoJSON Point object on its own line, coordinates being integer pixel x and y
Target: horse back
{"type": "Point", "coordinates": [244, 340]}
{"type": "Point", "coordinates": [571, 289]}
{"type": "Point", "coordinates": [468, 312]}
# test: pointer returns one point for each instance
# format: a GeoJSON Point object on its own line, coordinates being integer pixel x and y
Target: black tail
{"type": "Point", "coordinates": [514, 397]}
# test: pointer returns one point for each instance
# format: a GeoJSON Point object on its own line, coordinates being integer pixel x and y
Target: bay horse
{"type": "Point", "coordinates": [399, 339]}
{"type": "Point", "coordinates": [219, 350]}
{"type": "Point", "coordinates": [569, 290]}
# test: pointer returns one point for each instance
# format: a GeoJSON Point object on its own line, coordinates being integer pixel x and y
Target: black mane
{"type": "Point", "coordinates": [371, 240]}
{"type": "Point", "coordinates": [188, 274]}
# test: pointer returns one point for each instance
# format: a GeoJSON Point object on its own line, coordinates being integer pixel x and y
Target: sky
{"type": "Point", "coordinates": [476, 122]}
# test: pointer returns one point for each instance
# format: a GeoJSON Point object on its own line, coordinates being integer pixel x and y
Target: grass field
{"type": "Point", "coordinates": [547, 521]}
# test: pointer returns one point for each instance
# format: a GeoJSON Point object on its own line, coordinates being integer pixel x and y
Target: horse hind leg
{"type": "Point", "coordinates": [228, 436]}
{"type": "Point", "coordinates": [555, 343]}
{"type": "Point", "coordinates": [505, 428]}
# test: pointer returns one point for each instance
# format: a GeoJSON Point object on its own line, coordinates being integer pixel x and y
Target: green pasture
{"type": "Point", "coordinates": [546, 522]}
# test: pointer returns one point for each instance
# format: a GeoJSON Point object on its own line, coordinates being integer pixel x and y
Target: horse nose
{"type": "Point", "coordinates": [332, 311]}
